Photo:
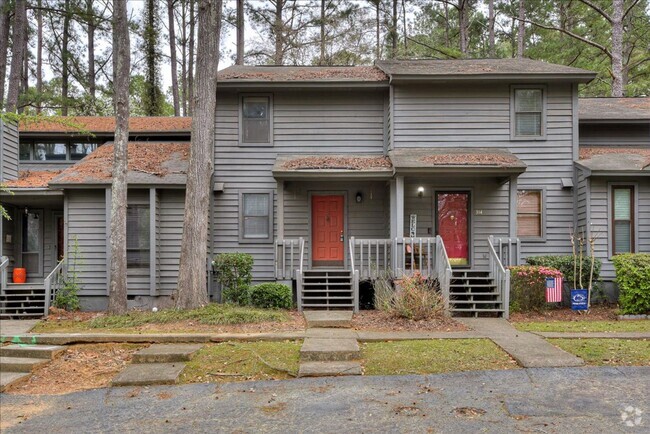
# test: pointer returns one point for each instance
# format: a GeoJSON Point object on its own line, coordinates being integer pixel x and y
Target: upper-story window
{"type": "Point", "coordinates": [622, 219]}
{"type": "Point", "coordinates": [54, 151]}
{"type": "Point", "coordinates": [256, 122]}
{"type": "Point", "coordinates": [528, 112]}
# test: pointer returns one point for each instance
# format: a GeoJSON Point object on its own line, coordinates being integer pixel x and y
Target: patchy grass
{"type": "Point", "coordinates": [433, 356]}
{"type": "Point", "coordinates": [211, 315]}
{"type": "Point", "coordinates": [241, 361]}
{"type": "Point", "coordinates": [585, 326]}
{"type": "Point", "coordinates": [608, 352]}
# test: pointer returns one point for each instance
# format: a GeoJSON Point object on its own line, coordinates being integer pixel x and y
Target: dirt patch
{"type": "Point", "coordinates": [64, 315]}
{"type": "Point", "coordinates": [596, 313]}
{"type": "Point", "coordinates": [376, 320]}
{"type": "Point", "coordinates": [14, 414]}
{"type": "Point", "coordinates": [80, 367]}
{"type": "Point", "coordinates": [469, 412]}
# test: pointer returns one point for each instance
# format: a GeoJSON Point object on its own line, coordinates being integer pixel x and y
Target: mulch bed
{"type": "Point", "coordinates": [596, 313]}
{"type": "Point", "coordinates": [375, 320]}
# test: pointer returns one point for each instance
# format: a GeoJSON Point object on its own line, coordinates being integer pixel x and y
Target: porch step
{"type": "Point", "coordinates": [22, 300]}
{"type": "Point", "coordinates": [329, 350]}
{"type": "Point", "coordinates": [474, 292]}
{"type": "Point", "coordinates": [328, 319]}
{"type": "Point", "coordinates": [31, 351]}
{"type": "Point", "coordinates": [326, 289]}
{"type": "Point", "coordinates": [21, 364]}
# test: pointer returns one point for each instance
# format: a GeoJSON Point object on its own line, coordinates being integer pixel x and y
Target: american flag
{"type": "Point", "coordinates": [553, 289]}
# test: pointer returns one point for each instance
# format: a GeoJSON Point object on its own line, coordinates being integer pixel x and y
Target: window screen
{"type": "Point", "coordinates": [80, 150]}
{"type": "Point", "coordinates": [529, 214]}
{"type": "Point", "coordinates": [623, 219]}
{"type": "Point", "coordinates": [50, 152]}
{"type": "Point", "coordinates": [528, 112]}
{"type": "Point", "coordinates": [256, 121]}
{"type": "Point", "coordinates": [256, 210]}
{"type": "Point", "coordinates": [137, 236]}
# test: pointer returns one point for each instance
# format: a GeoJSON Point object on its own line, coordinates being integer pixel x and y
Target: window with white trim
{"type": "Point", "coordinates": [528, 113]}
{"type": "Point", "coordinates": [255, 120]}
{"type": "Point", "coordinates": [530, 216]}
{"type": "Point", "coordinates": [256, 216]}
{"type": "Point", "coordinates": [622, 219]}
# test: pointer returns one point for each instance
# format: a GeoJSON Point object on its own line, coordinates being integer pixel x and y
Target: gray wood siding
{"type": "Point", "coordinates": [8, 227]}
{"type": "Point", "coordinates": [487, 197]}
{"type": "Point", "coordinates": [582, 205]}
{"type": "Point", "coordinates": [479, 116]}
{"type": "Point", "coordinates": [601, 222]}
{"type": "Point", "coordinates": [87, 218]}
{"type": "Point", "coordinates": [170, 215]}
{"type": "Point", "coordinates": [8, 151]}
{"type": "Point", "coordinates": [615, 134]}
{"type": "Point", "coordinates": [304, 123]}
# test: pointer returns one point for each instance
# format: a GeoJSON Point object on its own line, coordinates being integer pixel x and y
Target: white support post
{"type": "Point", "coordinates": [280, 208]}
{"type": "Point", "coordinates": [153, 241]}
{"type": "Point", "coordinates": [512, 231]}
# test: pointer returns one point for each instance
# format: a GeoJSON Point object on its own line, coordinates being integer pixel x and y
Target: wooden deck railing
{"type": "Point", "coordinates": [53, 283]}
{"type": "Point", "coordinates": [289, 256]}
{"type": "Point", "coordinates": [508, 250]}
{"type": "Point", "coordinates": [501, 277]}
{"type": "Point", "coordinates": [4, 264]}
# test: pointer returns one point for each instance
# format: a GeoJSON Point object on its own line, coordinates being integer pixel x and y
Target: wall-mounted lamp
{"type": "Point", "coordinates": [26, 211]}
{"type": "Point", "coordinates": [359, 197]}
{"type": "Point", "coordinates": [420, 191]}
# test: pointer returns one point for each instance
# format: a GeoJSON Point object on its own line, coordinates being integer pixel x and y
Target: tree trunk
{"type": "Point", "coordinates": [192, 285]}
{"type": "Point", "coordinates": [240, 32]}
{"type": "Point", "coordinates": [39, 55]}
{"type": "Point", "coordinates": [618, 84]}
{"type": "Point", "coordinates": [25, 75]}
{"type": "Point", "coordinates": [393, 32]}
{"type": "Point", "coordinates": [92, 84]}
{"type": "Point", "coordinates": [117, 297]}
{"type": "Point", "coordinates": [17, 55]}
{"type": "Point", "coordinates": [190, 65]}
{"type": "Point", "coordinates": [377, 17]}
{"type": "Point", "coordinates": [491, 28]}
{"type": "Point", "coordinates": [277, 30]}
{"type": "Point", "coordinates": [184, 56]}
{"type": "Point", "coordinates": [463, 23]}
{"type": "Point", "coordinates": [4, 46]}
{"type": "Point", "coordinates": [521, 31]}
{"type": "Point", "coordinates": [446, 6]}
{"type": "Point", "coordinates": [322, 32]}
{"type": "Point", "coordinates": [65, 55]}
{"type": "Point", "coordinates": [172, 51]}
{"type": "Point", "coordinates": [405, 30]}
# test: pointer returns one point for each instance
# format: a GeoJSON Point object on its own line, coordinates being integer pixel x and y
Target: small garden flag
{"type": "Point", "coordinates": [553, 289]}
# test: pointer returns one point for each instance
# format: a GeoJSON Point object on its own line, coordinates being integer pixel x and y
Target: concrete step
{"type": "Point", "coordinates": [148, 374]}
{"type": "Point", "coordinates": [329, 350]}
{"type": "Point", "coordinates": [328, 318]}
{"type": "Point", "coordinates": [166, 353]}
{"type": "Point", "coordinates": [12, 378]}
{"type": "Point", "coordinates": [31, 351]}
{"type": "Point", "coordinates": [329, 369]}
{"type": "Point", "coordinates": [20, 364]}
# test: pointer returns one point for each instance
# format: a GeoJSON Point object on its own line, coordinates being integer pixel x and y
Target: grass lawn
{"type": "Point", "coordinates": [608, 352]}
{"type": "Point", "coordinates": [433, 356]}
{"type": "Point", "coordinates": [173, 320]}
{"type": "Point", "coordinates": [585, 326]}
{"type": "Point", "coordinates": [239, 361]}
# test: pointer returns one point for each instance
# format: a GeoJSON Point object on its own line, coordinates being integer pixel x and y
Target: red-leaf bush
{"type": "Point", "coordinates": [528, 287]}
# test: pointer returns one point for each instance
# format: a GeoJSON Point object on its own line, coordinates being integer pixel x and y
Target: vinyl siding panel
{"type": "Point", "coordinates": [8, 151]}
{"type": "Point", "coordinates": [479, 116]}
{"type": "Point", "coordinates": [582, 205]}
{"type": "Point", "coordinates": [170, 215]}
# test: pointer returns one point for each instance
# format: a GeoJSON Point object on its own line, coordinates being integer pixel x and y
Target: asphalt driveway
{"type": "Point", "coordinates": [545, 400]}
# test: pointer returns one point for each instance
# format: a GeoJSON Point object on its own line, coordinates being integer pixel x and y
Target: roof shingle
{"type": "Point", "coordinates": [614, 109]}
{"type": "Point", "coordinates": [33, 179]}
{"type": "Point", "coordinates": [245, 73]}
{"type": "Point", "coordinates": [106, 124]}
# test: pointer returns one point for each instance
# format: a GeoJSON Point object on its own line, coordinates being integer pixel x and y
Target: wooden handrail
{"type": "Point", "coordinates": [501, 277]}
{"type": "Point", "coordinates": [4, 264]}
{"type": "Point", "coordinates": [49, 281]}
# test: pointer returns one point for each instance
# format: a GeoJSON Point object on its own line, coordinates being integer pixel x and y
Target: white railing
{"type": "Point", "coordinates": [53, 283]}
{"type": "Point", "coordinates": [4, 264]}
{"type": "Point", "coordinates": [501, 277]}
{"type": "Point", "coordinates": [371, 257]}
{"type": "Point", "coordinates": [288, 256]}
{"type": "Point", "coordinates": [443, 270]}
{"type": "Point", "coordinates": [508, 250]}
{"type": "Point", "coordinates": [415, 255]}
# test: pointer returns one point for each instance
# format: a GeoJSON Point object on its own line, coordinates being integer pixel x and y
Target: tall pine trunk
{"type": "Point", "coordinates": [24, 86]}
{"type": "Point", "coordinates": [521, 31]}
{"type": "Point", "coordinates": [184, 56]}
{"type": "Point", "coordinates": [65, 57]}
{"type": "Point", "coordinates": [618, 79]}
{"type": "Point", "coordinates": [322, 33]}
{"type": "Point", "coordinates": [491, 29]}
{"type": "Point", "coordinates": [277, 31]}
{"type": "Point", "coordinates": [377, 30]}
{"type": "Point", "coordinates": [4, 46]}
{"type": "Point", "coordinates": [393, 31]}
{"type": "Point", "coordinates": [92, 83]}
{"type": "Point", "coordinates": [172, 51]}
{"type": "Point", "coordinates": [190, 64]}
{"type": "Point", "coordinates": [39, 55]}
{"type": "Point", "coordinates": [17, 55]}
{"type": "Point", "coordinates": [240, 33]}
{"type": "Point", "coordinates": [117, 301]}
{"type": "Point", "coordinates": [192, 285]}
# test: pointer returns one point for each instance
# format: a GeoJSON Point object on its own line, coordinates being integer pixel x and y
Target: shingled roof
{"type": "Point", "coordinates": [615, 159]}
{"type": "Point", "coordinates": [614, 109]}
{"type": "Point", "coordinates": [32, 179]}
{"type": "Point", "coordinates": [335, 74]}
{"type": "Point", "coordinates": [106, 124]}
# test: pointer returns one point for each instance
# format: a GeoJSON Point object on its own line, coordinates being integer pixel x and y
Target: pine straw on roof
{"type": "Point", "coordinates": [339, 163]}
{"type": "Point", "coordinates": [104, 124]}
{"type": "Point", "coordinates": [588, 152]}
{"type": "Point", "coordinates": [469, 159]}
{"type": "Point", "coordinates": [33, 179]}
{"type": "Point", "coordinates": [145, 157]}
{"type": "Point", "coordinates": [366, 73]}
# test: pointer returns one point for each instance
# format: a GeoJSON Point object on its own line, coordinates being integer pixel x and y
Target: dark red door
{"type": "Point", "coordinates": [327, 230]}
{"type": "Point", "coordinates": [60, 230]}
{"type": "Point", "coordinates": [452, 211]}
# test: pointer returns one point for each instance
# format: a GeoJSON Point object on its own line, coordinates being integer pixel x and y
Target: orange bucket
{"type": "Point", "coordinates": [20, 275]}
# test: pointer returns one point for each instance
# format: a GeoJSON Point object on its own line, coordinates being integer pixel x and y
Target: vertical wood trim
{"type": "Point", "coordinates": [512, 224]}
{"type": "Point", "coordinates": [108, 240]}
{"type": "Point", "coordinates": [575, 122]}
{"type": "Point", "coordinates": [391, 137]}
{"type": "Point", "coordinates": [153, 211]}
{"type": "Point", "coordinates": [66, 230]}
{"type": "Point", "coordinates": [399, 206]}
{"type": "Point", "coordinates": [280, 208]}
{"type": "Point", "coordinates": [588, 206]}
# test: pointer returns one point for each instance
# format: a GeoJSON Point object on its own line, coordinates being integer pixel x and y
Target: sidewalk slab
{"type": "Point", "coordinates": [329, 369]}
{"type": "Point", "coordinates": [20, 364]}
{"type": "Point", "coordinates": [12, 378]}
{"type": "Point", "coordinates": [33, 351]}
{"type": "Point", "coordinates": [331, 350]}
{"type": "Point", "coordinates": [166, 353]}
{"type": "Point", "coordinates": [528, 349]}
{"type": "Point", "coordinates": [328, 318]}
{"type": "Point", "coordinates": [147, 374]}
{"type": "Point", "coordinates": [12, 327]}
{"type": "Point", "coordinates": [376, 336]}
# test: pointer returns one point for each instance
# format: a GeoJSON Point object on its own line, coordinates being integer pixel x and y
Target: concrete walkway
{"type": "Point", "coordinates": [528, 349]}
{"type": "Point", "coordinates": [13, 327]}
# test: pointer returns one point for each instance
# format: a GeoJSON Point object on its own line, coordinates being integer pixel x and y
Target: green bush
{"type": "Point", "coordinates": [70, 283]}
{"type": "Point", "coordinates": [633, 279]}
{"type": "Point", "coordinates": [271, 295]}
{"type": "Point", "coordinates": [528, 287]}
{"type": "Point", "coordinates": [235, 272]}
{"type": "Point", "coordinates": [564, 264]}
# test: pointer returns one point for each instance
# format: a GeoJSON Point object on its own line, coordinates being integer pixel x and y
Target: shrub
{"type": "Point", "coordinates": [416, 299]}
{"type": "Point", "coordinates": [66, 297]}
{"type": "Point", "coordinates": [234, 272]}
{"type": "Point", "coordinates": [384, 291]}
{"type": "Point", "coordinates": [271, 295]}
{"type": "Point", "coordinates": [633, 279]}
{"type": "Point", "coordinates": [528, 287]}
{"type": "Point", "coordinates": [564, 264]}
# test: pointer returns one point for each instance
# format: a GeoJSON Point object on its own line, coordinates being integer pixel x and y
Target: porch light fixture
{"type": "Point", "coordinates": [420, 191]}
{"type": "Point", "coordinates": [359, 197]}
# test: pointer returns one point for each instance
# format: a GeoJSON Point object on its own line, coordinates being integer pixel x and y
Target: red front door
{"type": "Point", "coordinates": [327, 230]}
{"type": "Point", "coordinates": [452, 211]}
